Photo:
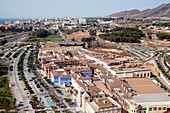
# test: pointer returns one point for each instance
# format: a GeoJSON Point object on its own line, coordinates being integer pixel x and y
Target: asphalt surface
{"type": "Point", "coordinates": [17, 87]}
{"type": "Point", "coordinates": [63, 36]}
{"type": "Point", "coordinates": [136, 53]}
{"type": "Point", "coordinates": [160, 60]}
{"type": "Point", "coordinates": [38, 93]}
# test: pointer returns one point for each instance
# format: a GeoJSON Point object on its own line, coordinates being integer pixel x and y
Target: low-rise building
{"type": "Point", "coordinates": [105, 105]}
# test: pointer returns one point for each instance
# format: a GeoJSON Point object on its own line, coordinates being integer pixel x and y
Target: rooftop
{"type": "Point", "coordinates": [144, 86]}
{"type": "Point", "coordinates": [152, 99]}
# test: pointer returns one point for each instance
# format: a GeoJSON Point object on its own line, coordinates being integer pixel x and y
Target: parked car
{"type": "Point", "coordinates": [35, 81]}
{"type": "Point", "coordinates": [45, 96]}
{"type": "Point", "coordinates": [11, 68]}
{"type": "Point", "coordinates": [31, 92]}
{"type": "Point", "coordinates": [41, 90]}
{"type": "Point", "coordinates": [20, 103]}
{"type": "Point", "coordinates": [19, 77]}
{"type": "Point", "coordinates": [63, 106]}
{"type": "Point", "coordinates": [38, 86]}
{"type": "Point", "coordinates": [18, 73]}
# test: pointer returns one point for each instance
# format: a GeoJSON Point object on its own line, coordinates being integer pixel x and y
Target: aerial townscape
{"type": "Point", "coordinates": [117, 63]}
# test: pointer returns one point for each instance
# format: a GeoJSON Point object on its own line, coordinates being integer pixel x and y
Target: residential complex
{"type": "Point", "coordinates": [103, 82]}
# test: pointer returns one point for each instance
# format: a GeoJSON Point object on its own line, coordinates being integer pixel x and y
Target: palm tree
{"type": "Point", "coordinates": [15, 102]}
{"type": "Point", "coordinates": [40, 101]}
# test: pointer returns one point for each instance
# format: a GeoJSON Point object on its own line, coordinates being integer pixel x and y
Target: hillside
{"type": "Point", "coordinates": [160, 11]}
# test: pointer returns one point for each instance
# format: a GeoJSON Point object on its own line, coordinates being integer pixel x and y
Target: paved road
{"type": "Point", "coordinates": [159, 78]}
{"type": "Point", "coordinates": [13, 36]}
{"type": "Point", "coordinates": [136, 53]}
{"type": "Point", "coordinates": [63, 36]}
{"type": "Point", "coordinates": [74, 107]}
{"type": "Point", "coordinates": [18, 86]}
{"type": "Point", "coordinates": [38, 93]}
{"type": "Point", "coordinates": [161, 61]}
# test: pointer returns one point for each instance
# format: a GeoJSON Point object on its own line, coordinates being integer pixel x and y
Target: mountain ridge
{"type": "Point", "coordinates": [160, 11]}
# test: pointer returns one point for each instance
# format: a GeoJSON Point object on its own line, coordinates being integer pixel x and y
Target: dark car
{"type": "Point", "coordinates": [31, 92]}
{"type": "Point", "coordinates": [19, 77]}
{"type": "Point", "coordinates": [35, 81]}
{"type": "Point", "coordinates": [11, 68]}
{"type": "Point", "coordinates": [38, 86]}
{"type": "Point", "coordinates": [63, 106]}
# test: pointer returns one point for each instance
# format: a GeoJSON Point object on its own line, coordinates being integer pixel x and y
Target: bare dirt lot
{"type": "Point", "coordinates": [79, 35]}
{"type": "Point", "coordinates": [6, 34]}
{"type": "Point", "coordinates": [153, 70]}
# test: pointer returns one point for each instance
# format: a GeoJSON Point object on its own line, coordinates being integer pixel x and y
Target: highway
{"type": "Point", "coordinates": [13, 36]}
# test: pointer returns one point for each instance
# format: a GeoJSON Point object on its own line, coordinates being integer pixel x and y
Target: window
{"type": "Point", "coordinates": [144, 108]}
{"type": "Point", "coordinates": [148, 74]}
{"type": "Point", "coordinates": [145, 75]}
{"type": "Point", "coordinates": [159, 108]}
{"type": "Point", "coordinates": [155, 108]}
{"type": "Point", "coordinates": [164, 108]}
{"type": "Point", "coordinates": [150, 109]}
{"type": "Point", "coordinates": [86, 98]}
{"type": "Point", "coordinates": [137, 75]}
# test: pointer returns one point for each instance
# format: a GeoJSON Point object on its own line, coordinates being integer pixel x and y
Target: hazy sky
{"type": "Point", "coordinates": [70, 8]}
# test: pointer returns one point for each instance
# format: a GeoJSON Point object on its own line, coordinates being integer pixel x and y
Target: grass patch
{"type": "Point", "coordinates": [6, 99]}
{"type": "Point", "coordinates": [56, 38]}
{"type": "Point", "coordinates": [4, 69]}
{"type": "Point", "coordinates": [42, 112]}
{"type": "Point", "coordinates": [136, 48]}
{"type": "Point", "coordinates": [51, 38]}
{"type": "Point", "coordinates": [168, 58]}
{"type": "Point", "coordinates": [68, 100]}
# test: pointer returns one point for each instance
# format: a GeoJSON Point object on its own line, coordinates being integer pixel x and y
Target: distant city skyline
{"type": "Point", "coordinates": [68, 8]}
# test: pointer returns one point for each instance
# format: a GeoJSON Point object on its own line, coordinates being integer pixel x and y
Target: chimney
{"type": "Point", "coordinates": [130, 94]}
{"type": "Point", "coordinates": [97, 100]}
{"type": "Point", "coordinates": [87, 88]}
{"type": "Point", "coordinates": [105, 82]}
{"type": "Point", "coordinates": [91, 79]}
{"type": "Point", "coordinates": [104, 101]}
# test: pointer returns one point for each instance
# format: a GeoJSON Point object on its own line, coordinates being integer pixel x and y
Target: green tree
{"type": "Point", "coordinates": [150, 37]}
{"type": "Point", "coordinates": [73, 39]}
